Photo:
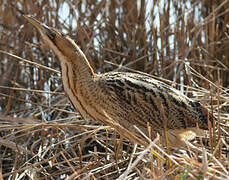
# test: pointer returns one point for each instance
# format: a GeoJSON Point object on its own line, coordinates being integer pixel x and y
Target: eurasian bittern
{"type": "Point", "coordinates": [122, 100]}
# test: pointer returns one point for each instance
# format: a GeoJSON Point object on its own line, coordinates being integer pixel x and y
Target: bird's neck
{"type": "Point", "coordinates": [78, 60]}
{"type": "Point", "coordinates": [76, 66]}
{"type": "Point", "coordinates": [77, 74]}
{"type": "Point", "coordinates": [78, 79]}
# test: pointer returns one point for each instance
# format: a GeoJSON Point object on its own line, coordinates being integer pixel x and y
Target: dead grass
{"type": "Point", "coordinates": [42, 137]}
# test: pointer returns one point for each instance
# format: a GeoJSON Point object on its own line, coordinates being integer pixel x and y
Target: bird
{"type": "Point", "coordinates": [124, 100]}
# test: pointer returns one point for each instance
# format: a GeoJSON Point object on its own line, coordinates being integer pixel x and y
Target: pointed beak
{"type": "Point", "coordinates": [42, 28]}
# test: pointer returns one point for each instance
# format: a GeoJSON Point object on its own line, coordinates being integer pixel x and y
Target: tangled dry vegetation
{"type": "Point", "coordinates": [42, 137]}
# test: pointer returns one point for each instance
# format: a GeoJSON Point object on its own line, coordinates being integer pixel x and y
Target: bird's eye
{"type": "Point", "coordinates": [51, 36]}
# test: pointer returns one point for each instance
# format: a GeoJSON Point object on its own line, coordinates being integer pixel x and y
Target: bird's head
{"type": "Point", "coordinates": [63, 46]}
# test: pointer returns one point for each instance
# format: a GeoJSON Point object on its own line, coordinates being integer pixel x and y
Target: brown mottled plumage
{"type": "Point", "coordinates": [122, 99]}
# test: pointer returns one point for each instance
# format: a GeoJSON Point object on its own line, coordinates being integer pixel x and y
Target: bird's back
{"type": "Point", "coordinates": [134, 99]}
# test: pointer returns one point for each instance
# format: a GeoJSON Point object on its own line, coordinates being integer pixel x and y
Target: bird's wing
{"type": "Point", "coordinates": [161, 99]}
